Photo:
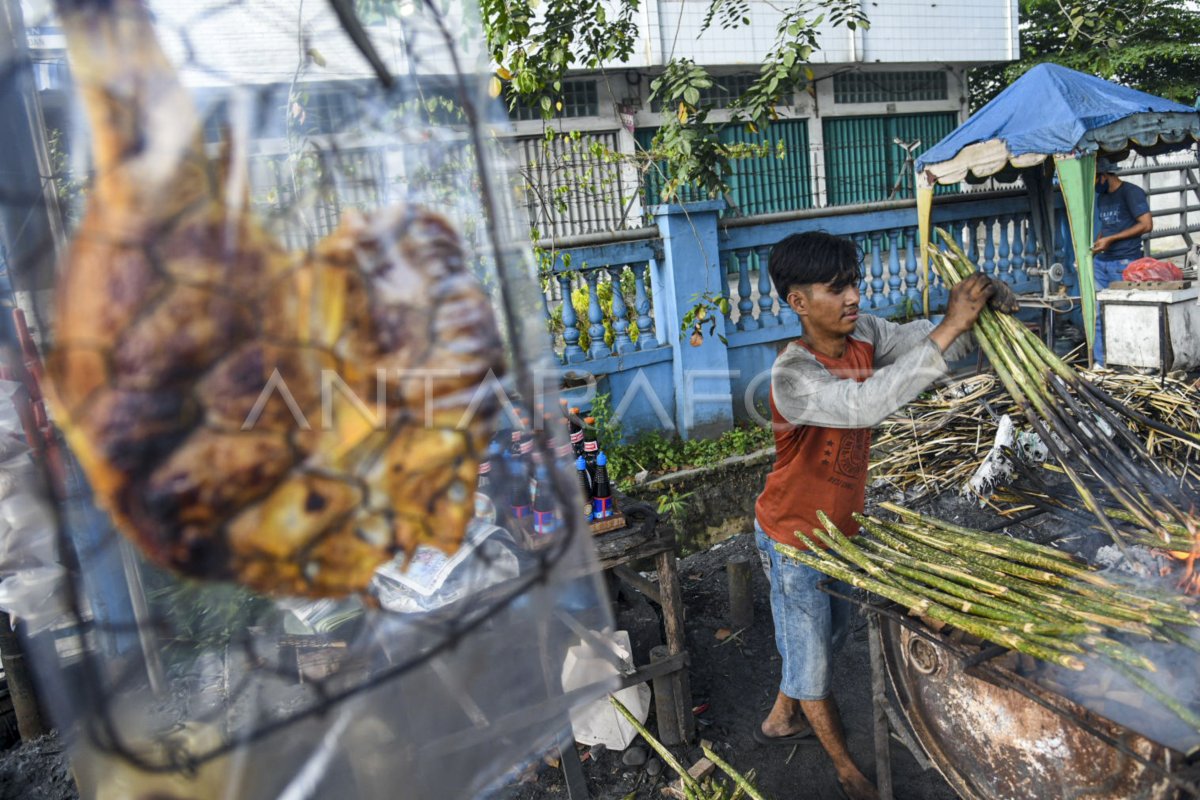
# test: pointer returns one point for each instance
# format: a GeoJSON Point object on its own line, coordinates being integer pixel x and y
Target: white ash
{"type": "Point", "coordinates": [1142, 561]}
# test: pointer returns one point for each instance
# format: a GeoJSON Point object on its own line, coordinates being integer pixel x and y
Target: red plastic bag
{"type": "Point", "coordinates": [1151, 269]}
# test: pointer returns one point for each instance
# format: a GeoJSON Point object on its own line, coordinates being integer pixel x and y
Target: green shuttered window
{"type": "Point", "coordinates": [862, 161]}
{"type": "Point", "coordinates": [759, 185]}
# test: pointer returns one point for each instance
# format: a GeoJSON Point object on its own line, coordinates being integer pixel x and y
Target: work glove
{"type": "Point", "coordinates": [1003, 299]}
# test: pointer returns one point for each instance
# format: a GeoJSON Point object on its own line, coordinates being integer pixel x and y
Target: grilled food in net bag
{"type": "Point", "coordinates": [220, 390]}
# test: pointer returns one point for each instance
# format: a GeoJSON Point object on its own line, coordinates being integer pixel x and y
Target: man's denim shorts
{"type": "Point", "coordinates": [809, 624]}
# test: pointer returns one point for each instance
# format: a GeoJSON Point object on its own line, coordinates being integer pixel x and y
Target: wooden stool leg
{"type": "Point", "coordinates": [571, 766]}
{"type": "Point", "coordinates": [672, 608]}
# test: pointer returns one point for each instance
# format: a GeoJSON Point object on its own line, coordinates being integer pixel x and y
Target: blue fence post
{"type": "Point", "coordinates": [690, 267]}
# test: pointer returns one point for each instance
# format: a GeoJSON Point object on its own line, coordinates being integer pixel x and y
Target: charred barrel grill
{"type": "Point", "coordinates": [995, 734]}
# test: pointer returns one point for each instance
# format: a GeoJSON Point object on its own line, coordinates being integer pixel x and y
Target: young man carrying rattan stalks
{"type": "Point", "coordinates": [844, 375]}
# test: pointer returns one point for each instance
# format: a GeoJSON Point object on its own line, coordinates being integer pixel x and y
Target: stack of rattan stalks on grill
{"type": "Point", "coordinates": [1086, 430]}
{"type": "Point", "coordinates": [1027, 597]}
{"type": "Point", "coordinates": [937, 442]}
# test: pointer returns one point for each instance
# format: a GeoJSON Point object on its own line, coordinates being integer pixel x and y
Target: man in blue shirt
{"type": "Point", "coordinates": [1124, 216]}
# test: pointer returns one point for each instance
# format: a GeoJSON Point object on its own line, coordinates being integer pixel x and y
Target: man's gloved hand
{"type": "Point", "coordinates": [1003, 299]}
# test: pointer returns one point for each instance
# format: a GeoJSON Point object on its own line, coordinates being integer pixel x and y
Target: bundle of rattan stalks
{"type": "Point", "coordinates": [1086, 431]}
{"type": "Point", "coordinates": [1027, 597]}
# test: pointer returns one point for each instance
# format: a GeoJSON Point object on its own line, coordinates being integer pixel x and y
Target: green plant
{"type": "Point", "coordinates": [581, 303]}
{"type": "Point", "coordinates": [704, 313]}
{"type": "Point", "coordinates": [1144, 44]}
{"type": "Point", "coordinates": [907, 311]}
{"type": "Point", "coordinates": [69, 189]}
{"type": "Point", "coordinates": [657, 452]}
{"type": "Point", "coordinates": [194, 618]}
{"type": "Point", "coordinates": [673, 502]}
{"type": "Point", "coordinates": [608, 428]}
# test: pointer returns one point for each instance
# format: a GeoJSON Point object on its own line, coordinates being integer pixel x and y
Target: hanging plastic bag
{"type": "Point", "coordinates": [1151, 269]}
{"type": "Point", "coordinates": [291, 315]}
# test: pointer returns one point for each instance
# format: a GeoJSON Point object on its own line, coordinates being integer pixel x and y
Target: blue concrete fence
{"type": "Point", "coordinates": [668, 381]}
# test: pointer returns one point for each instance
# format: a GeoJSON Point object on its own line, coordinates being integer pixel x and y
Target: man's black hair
{"type": "Point", "coordinates": [814, 257]}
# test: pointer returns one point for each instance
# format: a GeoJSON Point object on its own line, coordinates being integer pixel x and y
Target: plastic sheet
{"type": "Point", "coordinates": [269, 681]}
{"type": "Point", "coordinates": [30, 571]}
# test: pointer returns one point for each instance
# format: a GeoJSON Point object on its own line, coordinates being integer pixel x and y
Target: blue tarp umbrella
{"type": "Point", "coordinates": [1052, 112]}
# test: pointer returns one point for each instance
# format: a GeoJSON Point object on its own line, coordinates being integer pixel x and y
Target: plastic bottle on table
{"type": "Point", "coordinates": [545, 514]}
{"type": "Point", "coordinates": [591, 448]}
{"type": "Point", "coordinates": [602, 499]}
{"type": "Point", "coordinates": [585, 484]}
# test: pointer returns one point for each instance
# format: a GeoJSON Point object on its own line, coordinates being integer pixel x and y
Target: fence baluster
{"type": "Point", "coordinates": [597, 347]}
{"type": "Point", "coordinates": [621, 341]}
{"type": "Point", "coordinates": [989, 247]}
{"type": "Point", "coordinates": [878, 296]}
{"type": "Point", "coordinates": [647, 336]}
{"type": "Point", "coordinates": [895, 280]}
{"type": "Point", "coordinates": [1017, 268]}
{"type": "Point", "coordinates": [572, 353]}
{"type": "Point", "coordinates": [746, 320]}
{"type": "Point", "coordinates": [1031, 246]}
{"type": "Point", "coordinates": [1003, 262]}
{"type": "Point", "coordinates": [863, 244]}
{"type": "Point", "coordinates": [912, 266]}
{"type": "Point", "coordinates": [766, 317]}
{"type": "Point", "coordinates": [724, 270]}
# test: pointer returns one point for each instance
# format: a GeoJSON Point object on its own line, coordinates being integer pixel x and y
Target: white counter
{"type": "Point", "coordinates": [1148, 328]}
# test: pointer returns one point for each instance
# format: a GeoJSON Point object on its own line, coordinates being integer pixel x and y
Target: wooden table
{"type": "Point", "coordinates": [644, 538]}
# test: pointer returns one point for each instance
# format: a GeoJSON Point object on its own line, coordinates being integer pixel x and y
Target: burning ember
{"type": "Point", "coordinates": [1189, 582]}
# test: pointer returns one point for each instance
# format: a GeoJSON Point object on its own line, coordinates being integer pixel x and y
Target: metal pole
{"type": "Point", "coordinates": [30, 223]}
{"type": "Point", "coordinates": [879, 703]}
{"type": "Point", "coordinates": [141, 615]}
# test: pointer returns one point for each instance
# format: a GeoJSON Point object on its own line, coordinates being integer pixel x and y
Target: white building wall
{"type": "Point", "coordinates": [900, 32]}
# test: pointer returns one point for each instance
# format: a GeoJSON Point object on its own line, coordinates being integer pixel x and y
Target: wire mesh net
{"type": "Point", "coordinates": [268, 251]}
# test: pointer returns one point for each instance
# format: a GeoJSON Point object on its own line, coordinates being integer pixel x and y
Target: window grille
{"type": "Point", "coordinates": [579, 99]}
{"type": "Point", "coordinates": [722, 94]}
{"type": "Point", "coordinates": [890, 87]}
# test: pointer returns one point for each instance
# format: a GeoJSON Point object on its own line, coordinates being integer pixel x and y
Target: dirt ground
{"type": "Point", "coordinates": [733, 680]}
{"type": "Point", "coordinates": [36, 770]}
{"type": "Point", "coordinates": [736, 678]}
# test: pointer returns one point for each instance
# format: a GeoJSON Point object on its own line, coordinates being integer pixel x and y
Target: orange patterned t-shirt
{"type": "Point", "coordinates": [818, 468]}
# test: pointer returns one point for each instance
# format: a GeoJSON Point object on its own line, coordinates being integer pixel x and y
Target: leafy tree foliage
{"type": "Point", "coordinates": [534, 43]}
{"type": "Point", "coordinates": [534, 47]}
{"type": "Point", "coordinates": [1151, 45]}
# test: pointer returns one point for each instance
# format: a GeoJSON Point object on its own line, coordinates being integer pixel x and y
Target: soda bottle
{"type": "Point", "coordinates": [590, 447]}
{"type": "Point", "coordinates": [485, 508]}
{"type": "Point", "coordinates": [602, 499]}
{"type": "Point", "coordinates": [525, 443]}
{"type": "Point", "coordinates": [520, 501]}
{"type": "Point", "coordinates": [545, 518]}
{"type": "Point", "coordinates": [575, 430]}
{"type": "Point", "coordinates": [585, 484]}
{"type": "Point", "coordinates": [563, 451]}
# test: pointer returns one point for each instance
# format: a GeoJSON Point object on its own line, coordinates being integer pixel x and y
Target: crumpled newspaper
{"type": "Point", "coordinates": [30, 571]}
